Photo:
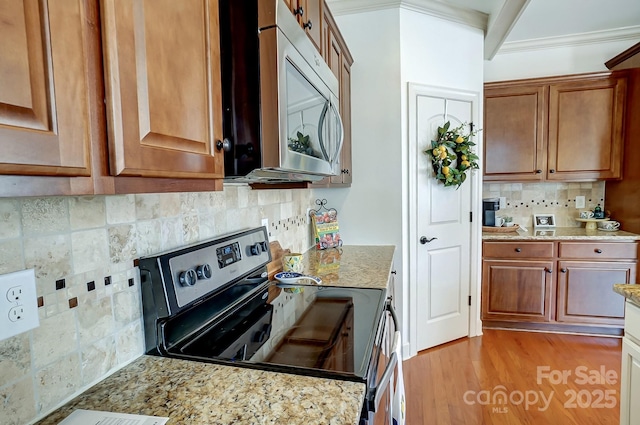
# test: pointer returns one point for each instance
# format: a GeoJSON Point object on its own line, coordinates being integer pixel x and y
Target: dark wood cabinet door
{"type": "Point", "coordinates": [515, 133]}
{"type": "Point", "coordinates": [517, 290]}
{"type": "Point", "coordinates": [585, 294]}
{"type": "Point", "coordinates": [162, 76]}
{"type": "Point", "coordinates": [44, 100]}
{"type": "Point", "coordinates": [586, 129]}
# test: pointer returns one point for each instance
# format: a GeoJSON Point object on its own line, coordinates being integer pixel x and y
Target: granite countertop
{"type": "Point", "coordinates": [203, 393]}
{"type": "Point", "coordinates": [629, 291]}
{"type": "Point", "coordinates": [561, 233]}
{"type": "Point", "coordinates": [360, 266]}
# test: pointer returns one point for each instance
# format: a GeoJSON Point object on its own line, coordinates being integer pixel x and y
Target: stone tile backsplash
{"type": "Point", "coordinates": [525, 199]}
{"type": "Point", "coordinates": [92, 325]}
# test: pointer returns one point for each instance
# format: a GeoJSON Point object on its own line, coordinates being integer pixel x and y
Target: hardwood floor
{"type": "Point", "coordinates": [543, 379]}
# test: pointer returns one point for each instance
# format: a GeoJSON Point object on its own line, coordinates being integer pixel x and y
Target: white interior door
{"type": "Point", "coordinates": [442, 221]}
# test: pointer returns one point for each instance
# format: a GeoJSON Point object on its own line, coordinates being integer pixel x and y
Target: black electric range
{"type": "Point", "coordinates": [212, 302]}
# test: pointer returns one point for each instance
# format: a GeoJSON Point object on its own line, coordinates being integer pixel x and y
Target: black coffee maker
{"type": "Point", "coordinates": [489, 208]}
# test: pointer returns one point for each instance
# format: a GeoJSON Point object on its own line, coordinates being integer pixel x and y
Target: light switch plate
{"type": "Point", "coordinates": [503, 202]}
{"type": "Point", "coordinates": [579, 201]}
{"type": "Point", "coordinates": [18, 303]}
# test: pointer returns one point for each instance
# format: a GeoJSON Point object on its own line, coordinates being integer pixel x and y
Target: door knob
{"type": "Point", "coordinates": [424, 240]}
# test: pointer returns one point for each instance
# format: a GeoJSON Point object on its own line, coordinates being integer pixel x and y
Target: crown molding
{"type": "Point", "coordinates": [434, 8]}
{"type": "Point", "coordinates": [594, 37]}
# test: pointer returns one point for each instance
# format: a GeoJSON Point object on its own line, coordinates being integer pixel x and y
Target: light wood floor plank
{"type": "Point", "coordinates": [446, 384]}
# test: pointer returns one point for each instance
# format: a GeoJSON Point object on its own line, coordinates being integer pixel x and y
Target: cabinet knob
{"type": "Point", "coordinates": [548, 270]}
{"type": "Point", "coordinates": [308, 25]}
{"type": "Point", "coordinates": [563, 270]}
{"type": "Point", "coordinates": [518, 249]}
{"type": "Point", "coordinates": [597, 251]}
{"type": "Point", "coordinates": [224, 145]}
{"type": "Point", "coordinates": [298, 11]}
{"type": "Point", "coordinates": [538, 171]}
{"type": "Point", "coordinates": [552, 171]}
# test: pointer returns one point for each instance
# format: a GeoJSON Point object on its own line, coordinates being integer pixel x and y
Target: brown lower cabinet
{"type": "Point", "coordinates": [561, 285]}
{"type": "Point", "coordinates": [517, 290]}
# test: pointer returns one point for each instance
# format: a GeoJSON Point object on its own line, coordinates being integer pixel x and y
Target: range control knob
{"type": "Point", "coordinates": [188, 278]}
{"type": "Point", "coordinates": [256, 248]}
{"type": "Point", "coordinates": [204, 271]}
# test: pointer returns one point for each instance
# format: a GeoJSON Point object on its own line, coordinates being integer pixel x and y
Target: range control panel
{"type": "Point", "coordinates": [200, 269]}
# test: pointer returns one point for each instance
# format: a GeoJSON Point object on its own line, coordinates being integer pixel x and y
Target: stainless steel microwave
{"type": "Point", "coordinates": [280, 99]}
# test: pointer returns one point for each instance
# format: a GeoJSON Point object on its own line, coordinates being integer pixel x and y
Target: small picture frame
{"type": "Point", "coordinates": [544, 220]}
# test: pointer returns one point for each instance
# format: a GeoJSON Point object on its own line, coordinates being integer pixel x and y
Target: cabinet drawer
{"type": "Point", "coordinates": [632, 320]}
{"type": "Point", "coordinates": [515, 250]}
{"type": "Point", "coordinates": [599, 250]}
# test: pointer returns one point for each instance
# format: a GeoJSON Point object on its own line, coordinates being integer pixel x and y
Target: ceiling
{"type": "Point", "coordinates": [513, 24]}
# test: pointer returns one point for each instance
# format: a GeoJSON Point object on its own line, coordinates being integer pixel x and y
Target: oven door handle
{"type": "Point", "coordinates": [394, 317]}
{"type": "Point", "coordinates": [379, 390]}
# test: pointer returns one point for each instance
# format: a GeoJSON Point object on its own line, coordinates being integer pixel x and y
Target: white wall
{"type": "Point", "coordinates": [391, 48]}
{"type": "Point", "coordinates": [574, 59]}
{"type": "Point", "coordinates": [370, 210]}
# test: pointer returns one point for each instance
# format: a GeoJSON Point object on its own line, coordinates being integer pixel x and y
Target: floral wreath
{"type": "Point", "coordinates": [450, 146]}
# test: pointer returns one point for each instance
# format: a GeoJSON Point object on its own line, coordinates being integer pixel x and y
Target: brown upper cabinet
{"type": "Point", "coordinates": [158, 85]}
{"type": "Point", "coordinates": [163, 88]}
{"type": "Point", "coordinates": [556, 129]}
{"type": "Point", "coordinates": [44, 99]}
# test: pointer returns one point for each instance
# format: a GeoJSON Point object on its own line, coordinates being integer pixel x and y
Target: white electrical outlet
{"type": "Point", "coordinates": [503, 202]}
{"type": "Point", "coordinates": [579, 201]}
{"type": "Point", "coordinates": [14, 294]}
{"type": "Point", "coordinates": [18, 303]}
{"type": "Point", "coordinates": [265, 223]}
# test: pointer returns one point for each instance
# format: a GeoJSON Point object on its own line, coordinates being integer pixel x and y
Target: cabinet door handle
{"type": "Point", "coordinates": [538, 171]}
{"type": "Point", "coordinates": [308, 25]}
{"type": "Point", "coordinates": [597, 251]}
{"type": "Point", "coordinates": [298, 11]}
{"type": "Point", "coordinates": [548, 270]}
{"type": "Point", "coordinates": [552, 171]}
{"type": "Point", "coordinates": [563, 270]}
{"type": "Point", "coordinates": [518, 249]}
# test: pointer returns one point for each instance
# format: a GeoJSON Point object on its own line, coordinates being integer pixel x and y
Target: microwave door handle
{"type": "Point", "coordinates": [323, 116]}
{"type": "Point", "coordinates": [340, 134]}
{"type": "Point", "coordinates": [379, 390]}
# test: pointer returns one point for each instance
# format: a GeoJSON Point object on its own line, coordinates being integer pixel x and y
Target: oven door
{"type": "Point", "coordinates": [377, 407]}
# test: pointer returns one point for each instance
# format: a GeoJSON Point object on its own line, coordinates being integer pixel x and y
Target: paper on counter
{"type": "Point", "coordinates": [95, 417]}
